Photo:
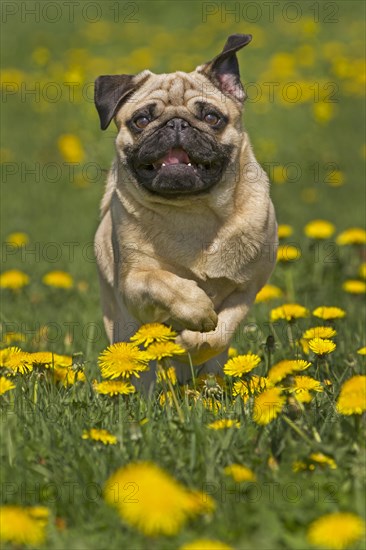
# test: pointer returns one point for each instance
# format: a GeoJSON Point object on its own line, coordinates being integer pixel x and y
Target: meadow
{"type": "Point", "coordinates": [272, 455]}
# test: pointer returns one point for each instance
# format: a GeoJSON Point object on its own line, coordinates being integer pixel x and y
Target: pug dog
{"type": "Point", "coordinates": [188, 233]}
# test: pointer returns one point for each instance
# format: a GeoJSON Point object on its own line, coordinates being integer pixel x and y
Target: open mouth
{"type": "Point", "coordinates": [164, 167]}
{"type": "Point", "coordinates": [175, 158]}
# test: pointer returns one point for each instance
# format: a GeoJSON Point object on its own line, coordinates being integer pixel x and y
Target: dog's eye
{"type": "Point", "coordinates": [141, 122]}
{"type": "Point", "coordinates": [212, 119]}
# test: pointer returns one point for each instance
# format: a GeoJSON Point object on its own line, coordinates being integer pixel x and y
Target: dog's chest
{"type": "Point", "coordinates": [204, 253]}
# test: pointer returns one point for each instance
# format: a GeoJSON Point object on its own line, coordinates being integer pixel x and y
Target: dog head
{"type": "Point", "coordinates": [177, 132]}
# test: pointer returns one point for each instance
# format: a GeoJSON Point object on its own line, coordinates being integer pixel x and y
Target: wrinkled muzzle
{"type": "Point", "coordinates": [178, 159]}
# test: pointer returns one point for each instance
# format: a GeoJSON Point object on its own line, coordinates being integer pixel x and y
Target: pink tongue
{"type": "Point", "coordinates": [175, 156]}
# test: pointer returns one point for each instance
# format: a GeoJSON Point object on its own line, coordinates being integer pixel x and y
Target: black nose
{"type": "Point", "coordinates": [177, 124]}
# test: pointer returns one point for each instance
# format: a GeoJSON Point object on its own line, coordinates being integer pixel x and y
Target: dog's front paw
{"type": "Point", "coordinates": [201, 346]}
{"type": "Point", "coordinates": [194, 310]}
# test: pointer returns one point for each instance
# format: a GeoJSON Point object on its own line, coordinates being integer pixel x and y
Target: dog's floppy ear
{"type": "Point", "coordinates": [110, 91]}
{"type": "Point", "coordinates": [223, 70]}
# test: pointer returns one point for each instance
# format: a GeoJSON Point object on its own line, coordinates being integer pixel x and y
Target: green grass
{"type": "Point", "coordinates": [44, 459]}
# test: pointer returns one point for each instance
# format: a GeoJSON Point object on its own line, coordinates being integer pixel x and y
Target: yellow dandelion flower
{"type": "Point", "coordinates": [224, 424]}
{"type": "Point", "coordinates": [329, 313]}
{"type": "Point", "coordinates": [283, 65]}
{"type": "Point", "coordinates": [112, 387]}
{"type": "Point", "coordinates": [352, 398]}
{"type": "Point", "coordinates": [10, 337]}
{"type": "Point", "coordinates": [354, 286]}
{"type": "Point", "coordinates": [62, 360]}
{"type": "Point", "coordinates": [319, 229]}
{"type": "Point", "coordinates": [267, 293]}
{"type": "Point", "coordinates": [18, 362]}
{"type": "Point", "coordinates": [67, 376]}
{"type": "Point", "coordinates": [240, 473]}
{"type": "Point", "coordinates": [6, 353]}
{"type": "Point", "coordinates": [23, 525]}
{"type": "Point", "coordinates": [14, 279]}
{"type": "Point", "coordinates": [205, 544]}
{"type": "Point", "coordinates": [301, 383]}
{"type": "Point", "coordinates": [284, 231]}
{"type": "Point", "coordinates": [299, 466]}
{"type": "Point", "coordinates": [309, 27]}
{"type": "Point", "coordinates": [273, 464]}
{"type": "Point", "coordinates": [17, 239]}
{"type": "Point", "coordinates": [288, 312]}
{"type": "Point", "coordinates": [315, 460]}
{"type": "Point", "coordinates": [201, 502]}
{"type": "Point", "coordinates": [319, 332]}
{"type": "Point", "coordinates": [337, 179]}
{"type": "Point", "coordinates": [337, 530]}
{"type": "Point", "coordinates": [323, 112]}
{"type": "Point", "coordinates": [6, 155]}
{"type": "Point", "coordinates": [100, 435]}
{"type": "Point", "coordinates": [42, 358]}
{"type": "Point", "coordinates": [268, 405]}
{"type": "Point", "coordinates": [323, 460]}
{"type": "Point", "coordinates": [354, 235]}
{"type": "Point", "coordinates": [159, 350]}
{"type": "Point", "coordinates": [302, 387]}
{"type": "Point", "coordinates": [58, 279]}
{"type": "Point", "coordinates": [153, 332]}
{"type": "Point", "coordinates": [362, 270]}
{"type": "Point", "coordinates": [122, 359]}
{"type": "Point", "coordinates": [247, 388]}
{"type": "Point", "coordinates": [41, 56]}
{"type": "Point", "coordinates": [149, 499]}
{"type": "Point", "coordinates": [166, 398]}
{"type": "Point", "coordinates": [242, 364]}
{"type": "Point", "coordinates": [39, 512]}
{"type": "Point", "coordinates": [362, 351]}
{"type": "Point", "coordinates": [49, 359]}
{"type": "Point", "coordinates": [280, 370]}
{"type": "Point", "coordinates": [70, 148]}
{"type": "Point", "coordinates": [211, 404]}
{"type": "Point", "coordinates": [288, 253]}
{"type": "Point", "coordinates": [232, 352]}
{"type": "Point", "coordinates": [279, 174]}
{"type": "Point", "coordinates": [5, 385]}
{"type": "Point", "coordinates": [321, 346]}
{"type": "Point", "coordinates": [12, 75]}
{"type": "Point", "coordinates": [305, 345]}
{"type": "Point", "coordinates": [304, 396]}
{"type": "Point", "coordinates": [168, 374]}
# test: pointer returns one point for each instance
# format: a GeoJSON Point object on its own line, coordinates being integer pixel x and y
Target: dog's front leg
{"type": "Point", "coordinates": [204, 346]}
{"type": "Point", "coordinates": [158, 296]}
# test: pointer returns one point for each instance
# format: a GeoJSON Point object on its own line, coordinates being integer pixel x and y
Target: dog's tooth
{"type": "Point", "coordinates": [189, 164]}
{"type": "Point", "coordinates": [163, 164]}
